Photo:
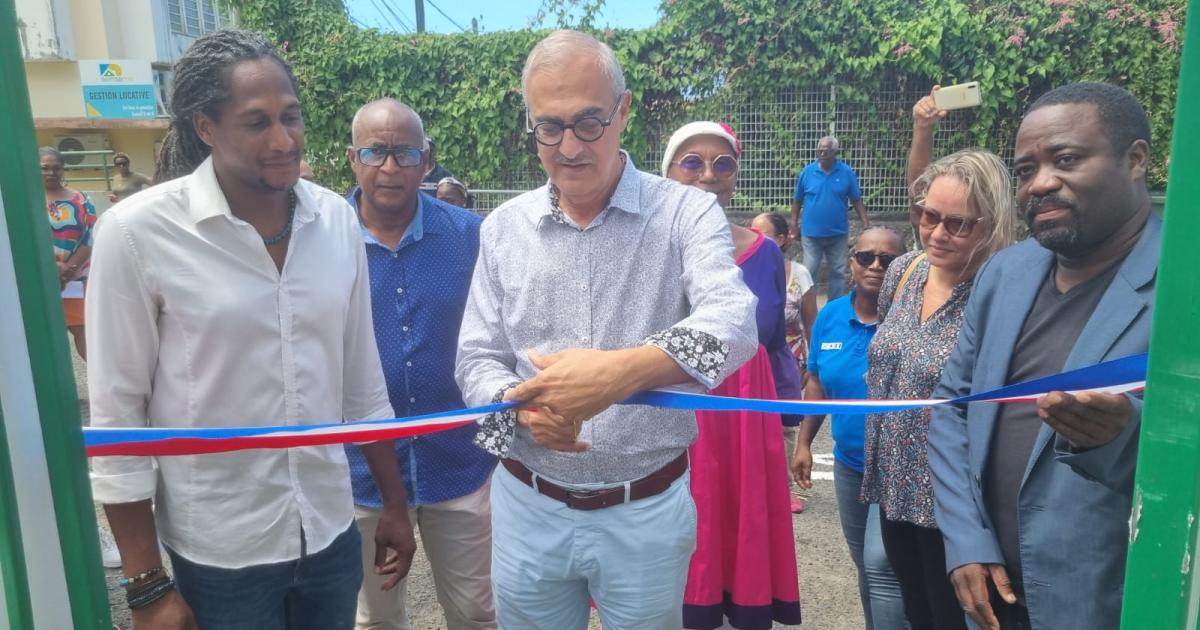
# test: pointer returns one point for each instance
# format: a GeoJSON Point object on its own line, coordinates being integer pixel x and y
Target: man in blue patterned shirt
{"type": "Point", "coordinates": [605, 282]}
{"type": "Point", "coordinates": [420, 253]}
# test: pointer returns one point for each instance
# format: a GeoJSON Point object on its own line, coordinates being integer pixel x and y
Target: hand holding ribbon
{"type": "Point", "coordinates": [1087, 419]}
{"type": "Point", "coordinates": [575, 384]}
{"type": "Point", "coordinates": [572, 386]}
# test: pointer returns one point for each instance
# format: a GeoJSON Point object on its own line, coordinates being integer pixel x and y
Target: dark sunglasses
{"type": "Point", "coordinates": [955, 225]}
{"type": "Point", "coordinates": [121, 163]}
{"type": "Point", "coordinates": [376, 156]}
{"type": "Point", "coordinates": [866, 258]}
{"type": "Point", "coordinates": [724, 165]}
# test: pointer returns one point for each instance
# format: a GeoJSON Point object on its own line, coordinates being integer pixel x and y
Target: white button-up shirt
{"type": "Point", "coordinates": [190, 323]}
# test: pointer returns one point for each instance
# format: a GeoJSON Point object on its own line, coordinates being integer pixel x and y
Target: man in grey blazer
{"type": "Point", "coordinates": [1033, 500]}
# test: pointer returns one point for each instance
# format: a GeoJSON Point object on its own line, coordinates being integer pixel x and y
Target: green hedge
{"type": "Point", "coordinates": [467, 86]}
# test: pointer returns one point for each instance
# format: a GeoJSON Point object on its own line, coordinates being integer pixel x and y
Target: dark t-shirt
{"type": "Point", "coordinates": [1047, 337]}
{"type": "Point", "coordinates": [434, 176]}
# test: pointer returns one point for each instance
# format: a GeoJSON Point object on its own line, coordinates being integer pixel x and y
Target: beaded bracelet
{"type": "Point", "coordinates": [150, 595]}
{"type": "Point", "coordinates": [141, 577]}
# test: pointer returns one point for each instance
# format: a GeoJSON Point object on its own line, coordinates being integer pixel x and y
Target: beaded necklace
{"type": "Point", "coordinates": [287, 228]}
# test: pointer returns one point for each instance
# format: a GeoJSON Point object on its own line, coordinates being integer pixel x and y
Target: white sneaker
{"type": "Point", "coordinates": [109, 555]}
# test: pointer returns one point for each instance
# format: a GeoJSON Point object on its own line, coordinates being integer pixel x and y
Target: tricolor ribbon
{"type": "Point", "coordinates": [1123, 375]}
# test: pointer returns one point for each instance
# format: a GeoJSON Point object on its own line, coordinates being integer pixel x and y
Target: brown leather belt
{"type": "Point", "coordinates": [648, 486]}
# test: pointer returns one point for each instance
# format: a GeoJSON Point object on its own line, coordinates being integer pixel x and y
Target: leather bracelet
{"type": "Point", "coordinates": [150, 595]}
{"type": "Point", "coordinates": [135, 591]}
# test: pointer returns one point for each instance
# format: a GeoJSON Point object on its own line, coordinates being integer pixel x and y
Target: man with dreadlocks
{"type": "Point", "coordinates": [236, 294]}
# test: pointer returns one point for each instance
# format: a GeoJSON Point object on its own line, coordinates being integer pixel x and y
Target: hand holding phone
{"type": "Point", "coordinates": [926, 113]}
{"type": "Point", "coordinates": [958, 96]}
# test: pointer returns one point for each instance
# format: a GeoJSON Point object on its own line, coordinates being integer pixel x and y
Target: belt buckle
{"type": "Point", "coordinates": [573, 495]}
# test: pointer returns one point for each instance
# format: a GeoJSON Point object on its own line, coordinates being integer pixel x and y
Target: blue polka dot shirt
{"type": "Point", "coordinates": [418, 294]}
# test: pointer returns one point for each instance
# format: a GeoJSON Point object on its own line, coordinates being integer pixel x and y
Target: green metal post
{"type": "Point", "coordinates": [12, 554]}
{"type": "Point", "coordinates": [1161, 587]}
{"type": "Point", "coordinates": [57, 524]}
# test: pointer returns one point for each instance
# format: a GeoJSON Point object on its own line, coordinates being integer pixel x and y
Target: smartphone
{"type": "Point", "coordinates": [958, 96]}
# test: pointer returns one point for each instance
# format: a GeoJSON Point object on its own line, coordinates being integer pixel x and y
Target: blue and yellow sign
{"type": "Point", "coordinates": [118, 88]}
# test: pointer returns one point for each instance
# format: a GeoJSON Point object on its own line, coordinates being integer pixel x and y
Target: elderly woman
{"type": "Point", "coordinates": [743, 572]}
{"type": "Point", "coordinates": [72, 216]}
{"type": "Point", "coordinates": [126, 181]}
{"type": "Point", "coordinates": [966, 213]}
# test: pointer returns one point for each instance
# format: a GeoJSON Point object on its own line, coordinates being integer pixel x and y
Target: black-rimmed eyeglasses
{"type": "Point", "coordinates": [586, 129]}
{"type": "Point", "coordinates": [403, 155]}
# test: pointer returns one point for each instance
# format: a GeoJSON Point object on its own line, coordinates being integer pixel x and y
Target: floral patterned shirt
{"type": "Point", "coordinates": [906, 359]}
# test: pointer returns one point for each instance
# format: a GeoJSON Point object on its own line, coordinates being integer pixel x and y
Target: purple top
{"type": "Point", "coordinates": [764, 272]}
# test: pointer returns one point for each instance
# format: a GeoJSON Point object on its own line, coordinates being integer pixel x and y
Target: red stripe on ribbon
{"type": "Point", "coordinates": [198, 446]}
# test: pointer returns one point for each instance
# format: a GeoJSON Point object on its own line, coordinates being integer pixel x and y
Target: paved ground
{"type": "Point", "coordinates": [827, 583]}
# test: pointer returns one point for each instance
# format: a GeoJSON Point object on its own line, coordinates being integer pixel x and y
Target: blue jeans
{"type": "Point", "coordinates": [631, 559]}
{"type": "Point", "coordinates": [878, 588]}
{"type": "Point", "coordinates": [836, 252]}
{"type": "Point", "coordinates": [315, 592]}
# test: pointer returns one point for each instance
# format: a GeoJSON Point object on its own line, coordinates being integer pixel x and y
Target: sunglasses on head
{"type": "Point", "coordinates": [723, 165]}
{"type": "Point", "coordinates": [866, 259]}
{"type": "Point", "coordinates": [955, 225]}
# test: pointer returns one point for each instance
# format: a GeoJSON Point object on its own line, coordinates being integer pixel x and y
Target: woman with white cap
{"type": "Point", "coordinates": [743, 572]}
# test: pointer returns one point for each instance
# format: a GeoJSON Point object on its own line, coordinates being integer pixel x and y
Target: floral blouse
{"type": "Point", "coordinates": [906, 359]}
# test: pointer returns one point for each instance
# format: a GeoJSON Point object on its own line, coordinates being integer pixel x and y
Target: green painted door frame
{"type": "Point", "coordinates": [1161, 587]}
{"type": "Point", "coordinates": [50, 411]}
{"type": "Point", "coordinates": [1162, 590]}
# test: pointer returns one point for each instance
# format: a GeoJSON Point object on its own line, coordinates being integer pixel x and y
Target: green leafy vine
{"type": "Point", "coordinates": [703, 52]}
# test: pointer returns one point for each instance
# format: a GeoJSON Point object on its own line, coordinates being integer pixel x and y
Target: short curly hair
{"type": "Point", "coordinates": [1122, 117]}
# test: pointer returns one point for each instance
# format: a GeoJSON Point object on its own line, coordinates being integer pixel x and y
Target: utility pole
{"type": "Point", "coordinates": [420, 10]}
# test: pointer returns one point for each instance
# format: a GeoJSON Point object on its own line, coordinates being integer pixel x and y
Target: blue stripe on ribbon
{"type": "Point", "coordinates": [99, 436]}
{"type": "Point", "coordinates": [1126, 370]}
{"type": "Point", "coordinates": [705, 402]}
{"type": "Point", "coordinates": [1130, 369]}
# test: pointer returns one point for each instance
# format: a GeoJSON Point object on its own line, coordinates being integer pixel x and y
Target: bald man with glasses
{"type": "Point", "coordinates": [420, 253]}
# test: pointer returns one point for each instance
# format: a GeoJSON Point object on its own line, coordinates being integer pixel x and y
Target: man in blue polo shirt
{"type": "Point", "coordinates": [421, 254]}
{"type": "Point", "coordinates": [824, 190]}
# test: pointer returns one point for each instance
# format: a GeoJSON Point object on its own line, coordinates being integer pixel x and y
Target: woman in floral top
{"type": "Point", "coordinates": [966, 214]}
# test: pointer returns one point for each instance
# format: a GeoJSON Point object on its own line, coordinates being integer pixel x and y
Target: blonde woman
{"type": "Point", "coordinates": [965, 213]}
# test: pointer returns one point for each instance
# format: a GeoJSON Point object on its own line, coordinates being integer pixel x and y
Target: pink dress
{"type": "Point", "coordinates": [744, 566]}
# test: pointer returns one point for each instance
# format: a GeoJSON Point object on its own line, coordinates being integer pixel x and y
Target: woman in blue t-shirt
{"type": "Point", "coordinates": [837, 366]}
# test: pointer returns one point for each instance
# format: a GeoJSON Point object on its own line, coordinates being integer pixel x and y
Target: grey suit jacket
{"type": "Point", "coordinates": [1073, 508]}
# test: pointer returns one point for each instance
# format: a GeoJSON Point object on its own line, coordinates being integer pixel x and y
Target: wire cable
{"type": "Point", "coordinates": [439, 10]}
{"type": "Point", "coordinates": [397, 14]}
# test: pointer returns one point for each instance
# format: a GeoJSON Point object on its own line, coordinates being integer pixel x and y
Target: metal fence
{"type": "Point", "coordinates": [779, 136]}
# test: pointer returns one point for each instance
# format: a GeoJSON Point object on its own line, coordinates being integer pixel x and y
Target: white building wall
{"type": "Point", "coordinates": [45, 29]}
